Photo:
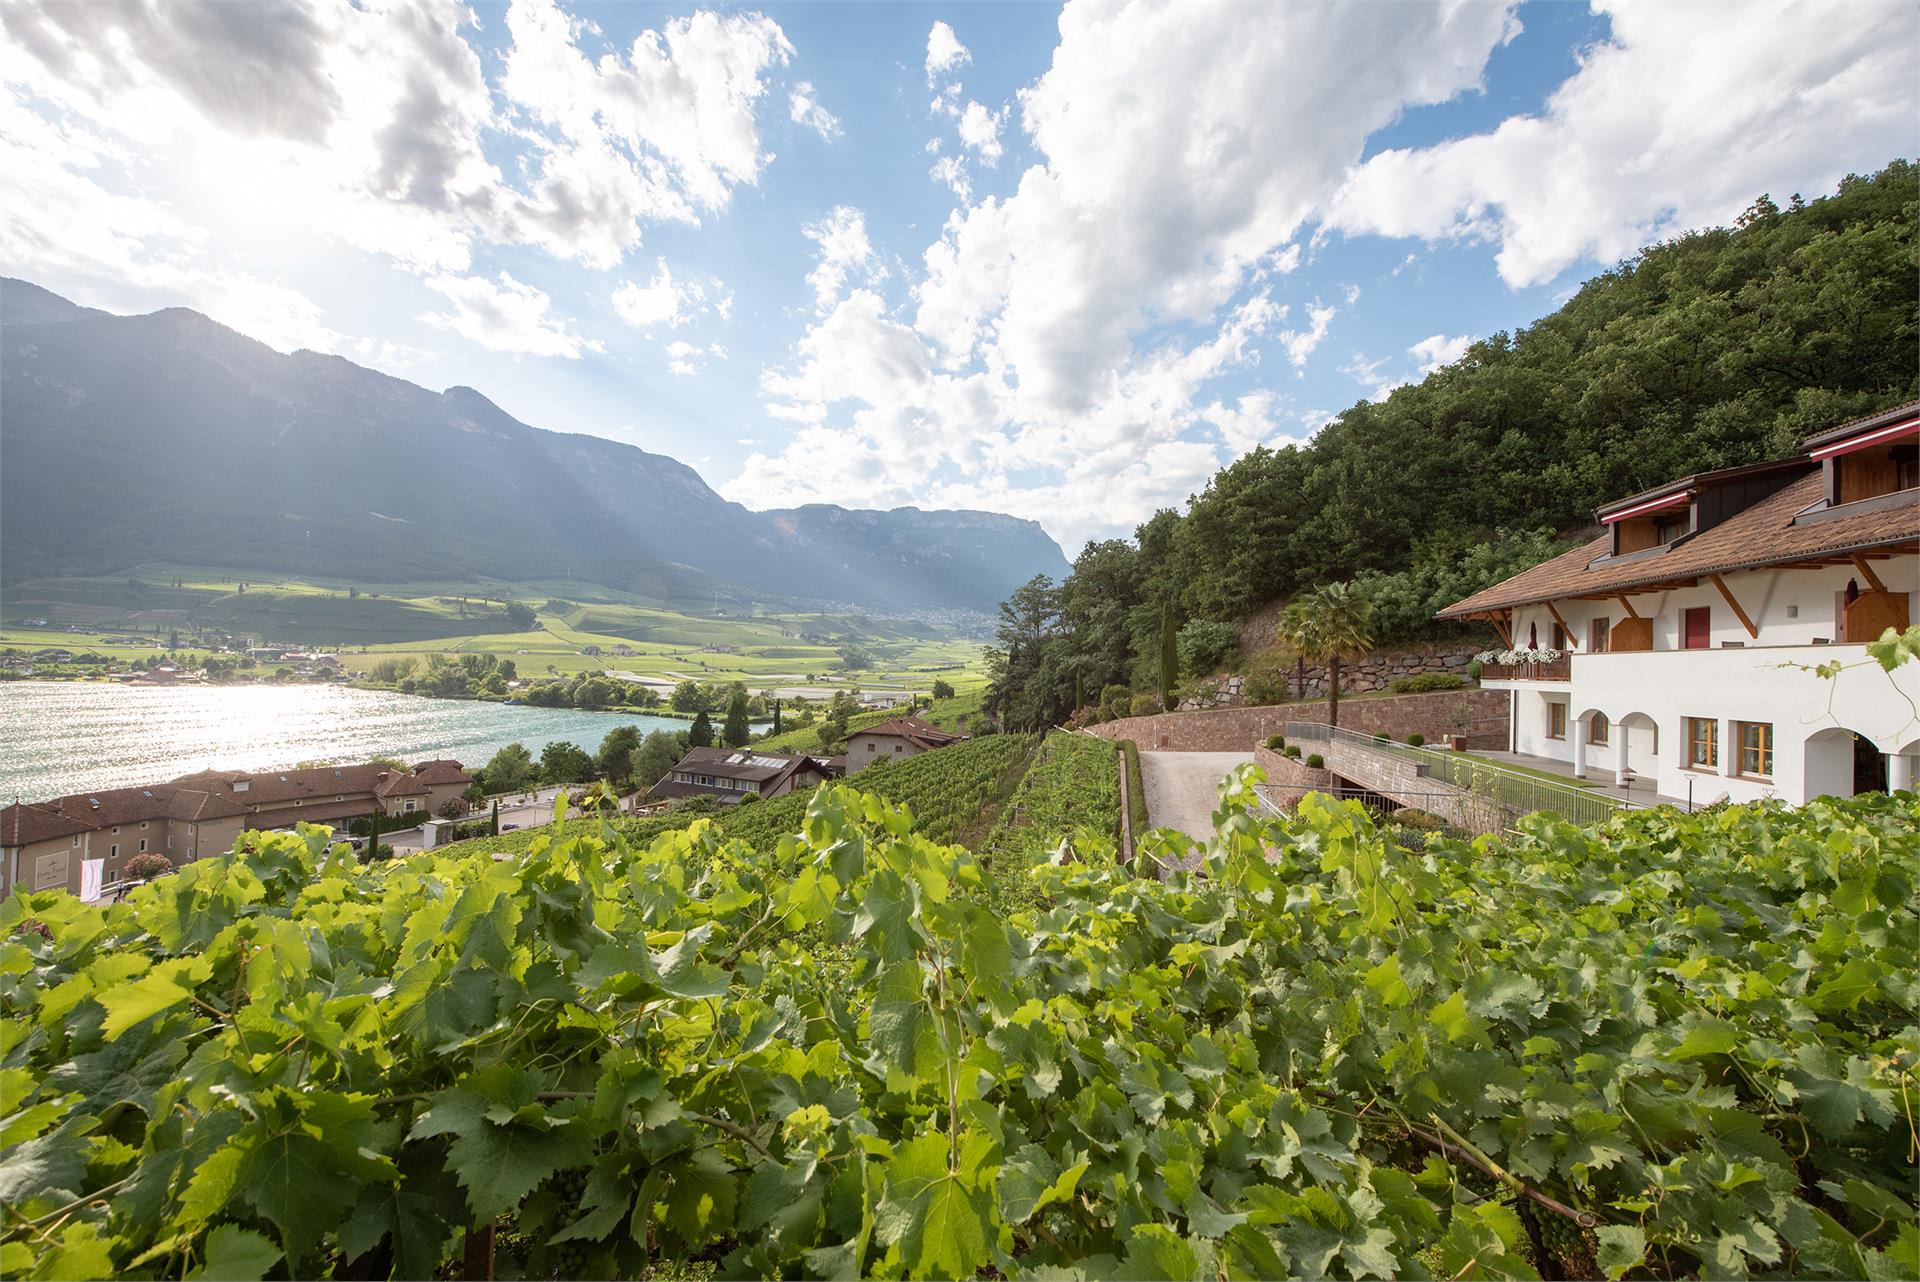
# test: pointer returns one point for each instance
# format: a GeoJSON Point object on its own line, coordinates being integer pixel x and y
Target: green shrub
{"type": "Point", "coordinates": [1275, 742]}
{"type": "Point", "coordinates": [1424, 683]}
{"type": "Point", "coordinates": [1268, 685]}
{"type": "Point", "coordinates": [1416, 739]}
{"type": "Point", "coordinates": [1145, 705]}
{"type": "Point", "coordinates": [1419, 820]}
{"type": "Point", "coordinates": [1473, 670]}
{"type": "Point", "coordinates": [147, 866]}
{"type": "Point", "coordinates": [1382, 735]}
{"type": "Point", "coordinates": [1206, 646]}
{"type": "Point", "coordinates": [1315, 761]}
{"type": "Point", "coordinates": [1293, 751]}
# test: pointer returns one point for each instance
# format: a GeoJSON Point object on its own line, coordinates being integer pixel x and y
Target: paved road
{"type": "Point", "coordinates": [1183, 788]}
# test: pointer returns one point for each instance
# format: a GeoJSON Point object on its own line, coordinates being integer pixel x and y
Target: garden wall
{"type": "Point", "coordinates": [1288, 780]}
{"type": "Point", "coordinates": [1374, 672]}
{"type": "Point", "coordinates": [1480, 714]}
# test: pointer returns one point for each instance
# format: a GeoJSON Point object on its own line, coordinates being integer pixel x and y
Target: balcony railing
{"type": "Point", "coordinates": [1560, 669]}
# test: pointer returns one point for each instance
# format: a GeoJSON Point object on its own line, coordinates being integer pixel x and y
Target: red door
{"type": "Point", "coordinates": [1696, 628]}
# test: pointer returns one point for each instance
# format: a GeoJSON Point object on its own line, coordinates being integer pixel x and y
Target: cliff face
{"type": "Point", "coordinates": [168, 437]}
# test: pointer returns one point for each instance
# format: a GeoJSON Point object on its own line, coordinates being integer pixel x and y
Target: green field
{"type": "Point", "coordinates": [766, 646]}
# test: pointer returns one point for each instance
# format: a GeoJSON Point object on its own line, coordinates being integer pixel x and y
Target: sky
{"type": "Point", "coordinates": [1063, 262]}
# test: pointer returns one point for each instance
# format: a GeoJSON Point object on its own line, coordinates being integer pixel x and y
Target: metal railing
{"type": "Point", "coordinates": [1513, 791]}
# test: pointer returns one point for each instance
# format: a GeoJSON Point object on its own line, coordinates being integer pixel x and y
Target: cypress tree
{"type": "Point", "coordinates": [737, 727]}
{"type": "Point", "coordinates": [776, 716]}
{"type": "Point", "coordinates": [701, 736]}
{"type": "Point", "coordinates": [1169, 658]}
{"type": "Point", "coordinates": [493, 828]}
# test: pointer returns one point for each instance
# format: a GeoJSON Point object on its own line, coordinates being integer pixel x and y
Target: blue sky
{"type": "Point", "coordinates": [1060, 262]}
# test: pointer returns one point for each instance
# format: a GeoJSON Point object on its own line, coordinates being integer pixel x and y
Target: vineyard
{"type": "Point", "coordinates": [1071, 793]}
{"type": "Point", "coordinates": [1670, 1046]}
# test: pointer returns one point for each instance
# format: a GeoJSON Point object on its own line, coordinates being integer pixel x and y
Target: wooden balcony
{"type": "Point", "coordinates": [1872, 613]}
{"type": "Point", "coordinates": [1560, 669]}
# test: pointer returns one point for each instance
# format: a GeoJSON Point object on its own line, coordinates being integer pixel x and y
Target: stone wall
{"type": "Point", "coordinates": [1374, 672]}
{"type": "Point", "coordinates": [1481, 714]}
{"type": "Point", "coordinates": [1288, 780]}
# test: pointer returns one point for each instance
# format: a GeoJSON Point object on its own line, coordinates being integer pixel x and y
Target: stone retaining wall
{"type": "Point", "coordinates": [1481, 713]}
{"type": "Point", "coordinates": [1288, 780]}
{"type": "Point", "coordinates": [1374, 672]}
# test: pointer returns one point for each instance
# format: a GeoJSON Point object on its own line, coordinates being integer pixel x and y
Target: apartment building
{"type": "Point", "coordinates": [1679, 646]}
{"type": "Point", "coordinates": [82, 842]}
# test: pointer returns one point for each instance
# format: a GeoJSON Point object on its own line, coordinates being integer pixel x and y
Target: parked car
{"type": "Point", "coordinates": [508, 827]}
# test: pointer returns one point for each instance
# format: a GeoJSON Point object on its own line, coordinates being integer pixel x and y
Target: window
{"type": "Point", "coordinates": [113, 851]}
{"type": "Point", "coordinates": [1703, 743]}
{"type": "Point", "coordinates": [76, 840]}
{"type": "Point", "coordinates": [406, 807]}
{"type": "Point", "coordinates": [1597, 636]}
{"type": "Point", "coordinates": [1559, 637]}
{"type": "Point", "coordinates": [116, 830]}
{"type": "Point", "coordinates": [143, 843]}
{"type": "Point", "coordinates": [1756, 748]}
{"type": "Point", "coordinates": [1668, 528]}
{"type": "Point", "coordinates": [1556, 721]}
{"type": "Point", "coordinates": [1696, 628]}
{"type": "Point", "coordinates": [1600, 728]}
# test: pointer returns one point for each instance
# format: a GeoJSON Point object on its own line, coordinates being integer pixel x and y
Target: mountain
{"type": "Point", "coordinates": [170, 438]}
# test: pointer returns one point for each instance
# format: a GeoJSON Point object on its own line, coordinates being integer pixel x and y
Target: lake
{"type": "Point", "coordinates": [58, 737]}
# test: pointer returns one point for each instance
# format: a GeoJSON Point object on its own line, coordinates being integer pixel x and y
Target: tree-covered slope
{"type": "Point", "coordinates": [1716, 348]}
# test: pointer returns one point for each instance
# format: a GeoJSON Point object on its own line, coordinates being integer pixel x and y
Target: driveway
{"type": "Point", "coordinates": [1183, 788]}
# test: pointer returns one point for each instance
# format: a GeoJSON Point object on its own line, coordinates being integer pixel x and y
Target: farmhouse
{"type": "Point", "coordinates": [900, 737]}
{"type": "Point", "coordinates": [82, 841]}
{"type": "Point", "coordinates": [733, 774]}
{"type": "Point", "coordinates": [1678, 647]}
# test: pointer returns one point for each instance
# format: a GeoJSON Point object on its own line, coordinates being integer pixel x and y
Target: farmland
{"type": "Point", "coordinates": [640, 639]}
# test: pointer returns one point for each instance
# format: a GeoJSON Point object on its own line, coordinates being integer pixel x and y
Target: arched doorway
{"type": "Point", "coordinates": [1840, 763]}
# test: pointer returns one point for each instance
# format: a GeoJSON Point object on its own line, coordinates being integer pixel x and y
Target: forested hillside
{"type": "Point", "coordinates": [1719, 347]}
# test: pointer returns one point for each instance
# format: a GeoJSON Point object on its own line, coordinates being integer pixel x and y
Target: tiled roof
{"type": "Point", "coordinates": [1762, 535]}
{"type": "Point", "coordinates": [1883, 418]}
{"type": "Point", "coordinates": [751, 765]}
{"type": "Point", "coordinates": [218, 794]}
{"type": "Point", "coordinates": [912, 729]}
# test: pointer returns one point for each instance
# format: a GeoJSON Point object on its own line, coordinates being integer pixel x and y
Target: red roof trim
{"type": "Point", "coordinates": [1681, 499]}
{"type": "Point", "coordinates": [1866, 440]}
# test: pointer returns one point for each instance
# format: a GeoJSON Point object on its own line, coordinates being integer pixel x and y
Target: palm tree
{"type": "Point", "coordinates": [1327, 625]}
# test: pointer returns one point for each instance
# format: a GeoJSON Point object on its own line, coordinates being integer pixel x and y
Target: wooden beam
{"type": "Point", "coordinates": [1506, 634]}
{"type": "Point", "coordinates": [1866, 571]}
{"type": "Point", "coordinates": [1626, 605]}
{"type": "Point", "coordinates": [1573, 642]}
{"type": "Point", "coordinates": [1726, 592]}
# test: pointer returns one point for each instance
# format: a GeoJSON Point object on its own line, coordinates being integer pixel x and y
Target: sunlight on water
{"type": "Point", "coordinates": [62, 737]}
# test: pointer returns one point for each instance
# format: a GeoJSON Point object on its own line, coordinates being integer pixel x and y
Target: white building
{"type": "Point", "coordinates": [1678, 646]}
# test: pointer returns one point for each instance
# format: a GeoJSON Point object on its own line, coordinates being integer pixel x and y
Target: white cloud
{"type": "Point", "coordinates": [506, 317]}
{"type": "Point", "coordinates": [1248, 118]}
{"type": "Point", "coordinates": [952, 171]}
{"type": "Point", "coordinates": [664, 132]}
{"type": "Point", "coordinates": [1439, 350]}
{"type": "Point", "coordinates": [1246, 423]}
{"type": "Point", "coordinates": [944, 51]}
{"type": "Point", "coordinates": [680, 357]}
{"type": "Point", "coordinates": [980, 131]}
{"type": "Point", "coordinates": [804, 108]}
{"type": "Point", "coordinates": [666, 301]}
{"type": "Point", "coordinates": [1372, 375]}
{"type": "Point", "coordinates": [1299, 343]}
{"type": "Point", "coordinates": [1679, 119]}
{"type": "Point", "coordinates": [842, 253]}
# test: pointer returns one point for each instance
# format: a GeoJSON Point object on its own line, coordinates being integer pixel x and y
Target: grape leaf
{"type": "Point", "coordinates": [234, 1254]}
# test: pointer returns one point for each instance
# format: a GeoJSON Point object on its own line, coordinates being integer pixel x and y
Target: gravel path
{"type": "Point", "coordinates": [1183, 788]}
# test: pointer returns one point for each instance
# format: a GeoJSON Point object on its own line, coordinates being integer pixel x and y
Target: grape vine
{"type": "Point", "coordinates": [830, 1055]}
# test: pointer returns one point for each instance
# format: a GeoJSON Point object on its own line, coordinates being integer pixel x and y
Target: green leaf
{"type": "Point", "coordinates": [79, 1253]}
{"type": "Point", "coordinates": [418, 1214]}
{"type": "Point", "coordinates": [1622, 1247]}
{"type": "Point", "coordinates": [701, 1197]}
{"type": "Point", "coordinates": [499, 1155]}
{"type": "Point", "coordinates": [1706, 1036]}
{"type": "Point", "coordinates": [166, 986]}
{"type": "Point", "coordinates": [1031, 1179]}
{"type": "Point", "coordinates": [940, 1219]}
{"type": "Point", "coordinates": [901, 1027]}
{"type": "Point", "coordinates": [235, 1254]}
{"type": "Point", "coordinates": [1155, 1251]}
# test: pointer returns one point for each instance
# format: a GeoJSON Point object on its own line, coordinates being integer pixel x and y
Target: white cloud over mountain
{"type": "Point", "coordinates": [504, 315]}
